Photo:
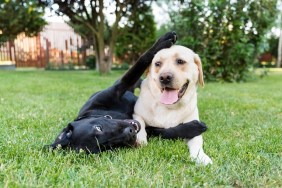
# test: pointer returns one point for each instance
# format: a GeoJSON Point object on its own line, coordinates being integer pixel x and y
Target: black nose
{"type": "Point", "coordinates": [129, 131]}
{"type": "Point", "coordinates": [166, 78]}
{"type": "Point", "coordinates": [135, 124]}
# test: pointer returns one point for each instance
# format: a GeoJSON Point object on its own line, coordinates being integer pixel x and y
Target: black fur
{"type": "Point", "coordinates": [184, 130]}
{"type": "Point", "coordinates": [105, 120]}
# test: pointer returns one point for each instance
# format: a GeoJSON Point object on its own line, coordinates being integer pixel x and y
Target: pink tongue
{"type": "Point", "coordinates": [169, 96]}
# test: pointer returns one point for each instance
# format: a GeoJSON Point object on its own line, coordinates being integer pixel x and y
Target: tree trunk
{"type": "Point", "coordinates": [104, 53]}
{"type": "Point", "coordinates": [279, 54]}
{"type": "Point", "coordinates": [279, 59]}
{"type": "Point", "coordinates": [103, 57]}
{"type": "Point", "coordinates": [104, 63]}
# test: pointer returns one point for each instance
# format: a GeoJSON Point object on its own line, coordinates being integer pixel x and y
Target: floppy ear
{"type": "Point", "coordinates": [63, 139]}
{"type": "Point", "coordinates": [199, 64]}
{"type": "Point", "coordinates": [147, 71]}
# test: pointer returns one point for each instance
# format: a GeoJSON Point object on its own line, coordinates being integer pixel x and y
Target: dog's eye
{"type": "Point", "coordinates": [158, 63]}
{"type": "Point", "coordinates": [180, 61]}
{"type": "Point", "coordinates": [98, 128]}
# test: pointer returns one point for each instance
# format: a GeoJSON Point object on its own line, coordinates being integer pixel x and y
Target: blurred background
{"type": "Point", "coordinates": [232, 37]}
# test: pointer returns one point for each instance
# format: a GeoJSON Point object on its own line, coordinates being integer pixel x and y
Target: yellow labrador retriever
{"type": "Point", "coordinates": [168, 95]}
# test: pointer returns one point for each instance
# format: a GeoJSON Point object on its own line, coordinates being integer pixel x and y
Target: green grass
{"type": "Point", "coordinates": [244, 136]}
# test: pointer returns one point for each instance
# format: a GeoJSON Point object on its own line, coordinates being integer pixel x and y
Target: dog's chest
{"type": "Point", "coordinates": [169, 117]}
{"type": "Point", "coordinates": [156, 114]}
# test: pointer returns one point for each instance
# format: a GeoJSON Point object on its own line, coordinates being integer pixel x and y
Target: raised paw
{"type": "Point", "coordinates": [166, 41]}
{"type": "Point", "coordinates": [169, 36]}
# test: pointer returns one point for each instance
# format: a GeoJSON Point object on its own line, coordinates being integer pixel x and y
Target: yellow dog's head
{"type": "Point", "coordinates": [175, 71]}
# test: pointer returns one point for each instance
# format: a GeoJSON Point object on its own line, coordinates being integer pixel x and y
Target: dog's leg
{"type": "Point", "coordinates": [184, 130]}
{"type": "Point", "coordinates": [142, 134]}
{"type": "Point", "coordinates": [197, 153]}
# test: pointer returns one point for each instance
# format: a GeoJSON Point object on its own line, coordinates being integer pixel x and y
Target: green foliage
{"type": "Point", "coordinates": [122, 66]}
{"type": "Point", "coordinates": [137, 36]}
{"type": "Point", "coordinates": [162, 30]}
{"type": "Point", "coordinates": [17, 16]}
{"type": "Point", "coordinates": [91, 62]}
{"type": "Point", "coordinates": [243, 139]}
{"type": "Point", "coordinates": [273, 45]}
{"type": "Point", "coordinates": [227, 35]}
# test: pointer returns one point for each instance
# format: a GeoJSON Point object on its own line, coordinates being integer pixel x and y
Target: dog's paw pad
{"type": "Point", "coordinates": [174, 37]}
{"type": "Point", "coordinates": [171, 36]}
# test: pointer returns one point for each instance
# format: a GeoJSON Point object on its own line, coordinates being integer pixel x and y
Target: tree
{"type": "Point", "coordinates": [17, 16]}
{"type": "Point", "coordinates": [90, 15]}
{"type": "Point", "coordinates": [272, 43]}
{"type": "Point", "coordinates": [137, 36]}
{"type": "Point", "coordinates": [279, 49]}
{"type": "Point", "coordinates": [228, 35]}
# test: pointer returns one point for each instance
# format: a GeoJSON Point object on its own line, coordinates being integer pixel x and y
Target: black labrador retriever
{"type": "Point", "coordinates": [105, 120]}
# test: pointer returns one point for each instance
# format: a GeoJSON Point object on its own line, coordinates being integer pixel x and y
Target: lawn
{"type": "Point", "coordinates": [243, 139]}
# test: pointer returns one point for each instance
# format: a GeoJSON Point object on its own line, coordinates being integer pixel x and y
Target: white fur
{"type": "Point", "coordinates": [148, 109]}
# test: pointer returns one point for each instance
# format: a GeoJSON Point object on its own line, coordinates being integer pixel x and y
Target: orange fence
{"type": "Point", "coordinates": [57, 44]}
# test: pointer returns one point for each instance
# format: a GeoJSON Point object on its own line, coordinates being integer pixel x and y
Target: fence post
{"type": "Point", "coordinates": [47, 51]}
{"type": "Point", "coordinates": [10, 50]}
{"type": "Point", "coordinates": [77, 45]}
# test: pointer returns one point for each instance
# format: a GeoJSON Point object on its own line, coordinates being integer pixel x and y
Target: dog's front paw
{"type": "Point", "coordinates": [141, 139]}
{"type": "Point", "coordinates": [202, 159]}
{"type": "Point", "coordinates": [200, 126]}
{"type": "Point", "coordinates": [168, 36]}
{"type": "Point", "coordinates": [166, 41]}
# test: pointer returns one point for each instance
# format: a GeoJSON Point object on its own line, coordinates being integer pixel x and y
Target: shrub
{"type": "Point", "coordinates": [90, 62]}
{"type": "Point", "coordinates": [227, 35]}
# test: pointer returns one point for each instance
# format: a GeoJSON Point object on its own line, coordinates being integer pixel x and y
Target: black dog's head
{"type": "Point", "coordinates": [94, 135]}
